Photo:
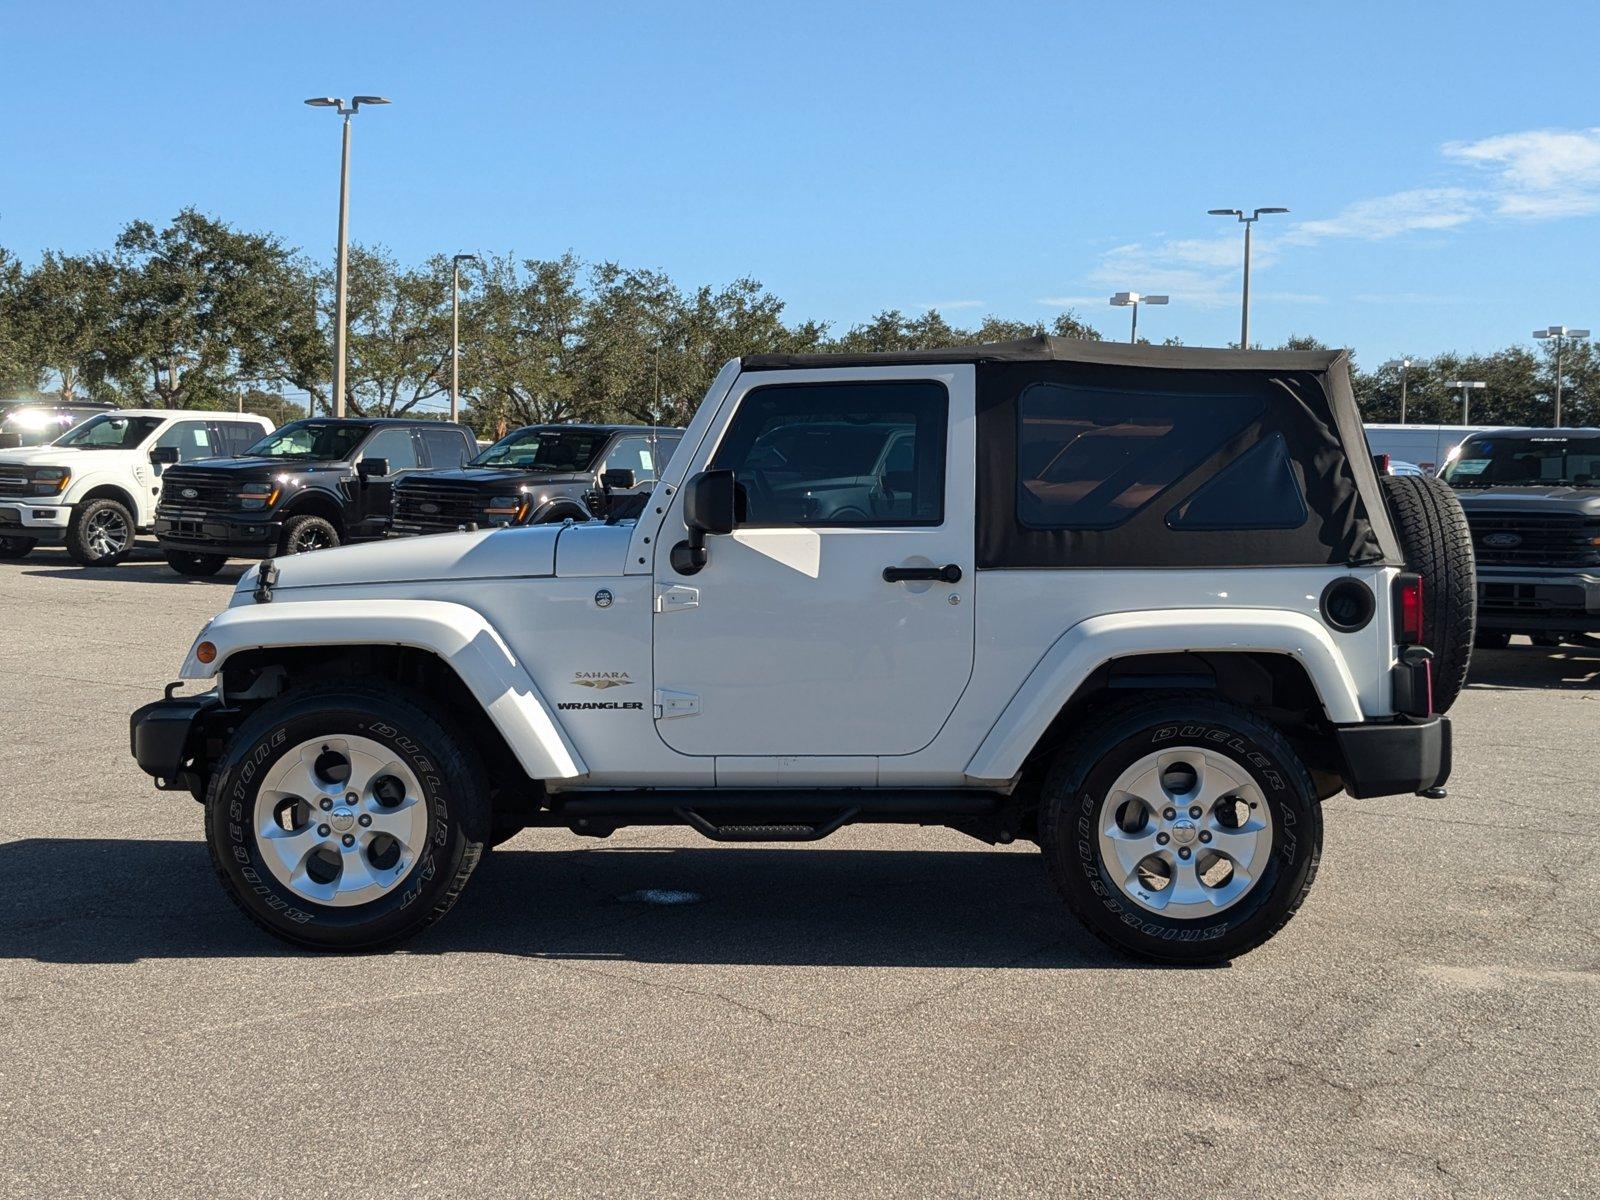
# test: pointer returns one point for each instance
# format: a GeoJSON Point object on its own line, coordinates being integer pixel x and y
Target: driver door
{"type": "Point", "coordinates": [790, 642]}
{"type": "Point", "coordinates": [397, 446]}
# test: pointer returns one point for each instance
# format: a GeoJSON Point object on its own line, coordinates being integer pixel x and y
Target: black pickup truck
{"type": "Point", "coordinates": [1532, 498]}
{"type": "Point", "coordinates": [311, 484]}
{"type": "Point", "coordinates": [536, 474]}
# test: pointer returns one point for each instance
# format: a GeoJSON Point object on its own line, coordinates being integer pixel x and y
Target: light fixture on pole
{"type": "Point", "coordinates": [455, 330]}
{"type": "Point", "coordinates": [1560, 335]}
{"type": "Point", "coordinates": [1467, 386]}
{"type": "Point", "coordinates": [1403, 365]}
{"type": "Point", "coordinates": [1133, 300]}
{"type": "Point", "coordinates": [1247, 222]}
{"type": "Point", "coordinates": [339, 287]}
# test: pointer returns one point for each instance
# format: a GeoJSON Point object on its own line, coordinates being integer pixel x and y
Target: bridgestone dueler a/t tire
{"type": "Point", "coordinates": [1437, 542]}
{"type": "Point", "coordinates": [454, 788]}
{"type": "Point", "coordinates": [1079, 785]}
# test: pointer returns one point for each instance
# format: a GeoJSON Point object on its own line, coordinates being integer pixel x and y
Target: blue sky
{"type": "Point", "coordinates": [1442, 160]}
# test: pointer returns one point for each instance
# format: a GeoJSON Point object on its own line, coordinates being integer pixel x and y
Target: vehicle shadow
{"type": "Point", "coordinates": [144, 565]}
{"type": "Point", "coordinates": [111, 901]}
{"type": "Point", "coordinates": [1575, 668]}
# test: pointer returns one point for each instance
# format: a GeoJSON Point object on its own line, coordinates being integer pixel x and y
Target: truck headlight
{"type": "Point", "coordinates": [259, 496]}
{"type": "Point", "coordinates": [512, 508]}
{"type": "Point", "coordinates": [49, 481]}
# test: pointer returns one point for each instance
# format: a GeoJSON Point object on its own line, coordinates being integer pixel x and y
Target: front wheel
{"type": "Point", "coordinates": [16, 547]}
{"type": "Point", "coordinates": [346, 816]}
{"type": "Point", "coordinates": [305, 533]}
{"type": "Point", "coordinates": [1182, 830]}
{"type": "Point", "coordinates": [195, 566]}
{"type": "Point", "coordinates": [100, 533]}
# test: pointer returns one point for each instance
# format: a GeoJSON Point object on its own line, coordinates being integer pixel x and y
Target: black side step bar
{"type": "Point", "coordinates": [766, 814]}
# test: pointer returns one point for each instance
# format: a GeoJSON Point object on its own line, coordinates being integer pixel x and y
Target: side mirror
{"type": "Point", "coordinates": [164, 456]}
{"type": "Point", "coordinates": [620, 479]}
{"type": "Point", "coordinates": [708, 508]}
{"type": "Point", "coordinates": [370, 468]}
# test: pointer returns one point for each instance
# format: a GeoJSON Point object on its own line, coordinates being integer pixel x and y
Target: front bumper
{"type": "Point", "coordinates": [1511, 601]}
{"type": "Point", "coordinates": [1392, 758]}
{"type": "Point", "coordinates": [236, 535]}
{"type": "Point", "coordinates": [168, 740]}
{"type": "Point", "coordinates": [43, 521]}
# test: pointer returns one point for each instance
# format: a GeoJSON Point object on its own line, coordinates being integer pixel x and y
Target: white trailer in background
{"type": "Point", "coordinates": [1426, 445]}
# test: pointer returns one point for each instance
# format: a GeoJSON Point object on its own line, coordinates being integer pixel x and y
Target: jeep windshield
{"type": "Point", "coordinates": [311, 441]}
{"type": "Point", "coordinates": [547, 451]}
{"type": "Point", "coordinates": [109, 432]}
{"type": "Point", "coordinates": [1525, 460]}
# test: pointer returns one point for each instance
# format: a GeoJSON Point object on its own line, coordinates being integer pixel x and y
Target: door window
{"type": "Point", "coordinates": [192, 440]}
{"type": "Point", "coordinates": [636, 454]}
{"type": "Point", "coordinates": [446, 447]}
{"type": "Point", "coordinates": [840, 454]}
{"type": "Point", "coordinates": [396, 446]}
{"type": "Point", "coordinates": [235, 437]}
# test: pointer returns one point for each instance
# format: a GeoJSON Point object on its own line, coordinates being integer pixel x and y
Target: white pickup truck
{"type": "Point", "coordinates": [95, 487]}
{"type": "Point", "coordinates": [1145, 607]}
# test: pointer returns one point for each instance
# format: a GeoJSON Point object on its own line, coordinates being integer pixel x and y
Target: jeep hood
{"type": "Point", "coordinates": [484, 554]}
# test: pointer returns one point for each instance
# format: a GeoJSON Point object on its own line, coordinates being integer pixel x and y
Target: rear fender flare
{"type": "Point", "coordinates": [1090, 644]}
{"type": "Point", "coordinates": [458, 635]}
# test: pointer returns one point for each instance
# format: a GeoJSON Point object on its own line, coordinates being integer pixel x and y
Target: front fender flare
{"type": "Point", "coordinates": [459, 635]}
{"type": "Point", "coordinates": [1090, 644]}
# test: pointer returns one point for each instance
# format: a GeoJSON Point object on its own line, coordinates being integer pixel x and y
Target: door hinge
{"type": "Point", "coordinates": [671, 704]}
{"type": "Point", "coordinates": [677, 598]}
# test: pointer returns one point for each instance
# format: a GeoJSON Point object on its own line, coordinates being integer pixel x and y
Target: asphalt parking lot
{"type": "Point", "coordinates": [891, 1012]}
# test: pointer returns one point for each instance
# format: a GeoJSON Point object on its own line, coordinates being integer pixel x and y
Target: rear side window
{"type": "Point", "coordinates": [396, 446]}
{"type": "Point", "coordinates": [446, 447]}
{"type": "Point", "coordinates": [1090, 458]}
{"type": "Point", "coordinates": [840, 454]}
{"type": "Point", "coordinates": [235, 437]}
{"type": "Point", "coordinates": [1258, 490]}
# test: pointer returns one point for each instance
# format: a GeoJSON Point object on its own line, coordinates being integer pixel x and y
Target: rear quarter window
{"type": "Point", "coordinates": [1090, 458]}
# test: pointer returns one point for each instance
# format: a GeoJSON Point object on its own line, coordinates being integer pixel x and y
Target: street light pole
{"type": "Point", "coordinates": [1467, 386]}
{"type": "Point", "coordinates": [1560, 334]}
{"type": "Point", "coordinates": [1247, 222]}
{"type": "Point", "coordinates": [455, 332]}
{"type": "Point", "coordinates": [1133, 300]}
{"type": "Point", "coordinates": [1404, 365]}
{"type": "Point", "coordinates": [340, 281]}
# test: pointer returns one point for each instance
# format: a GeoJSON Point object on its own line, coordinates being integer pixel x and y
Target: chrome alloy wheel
{"type": "Point", "coordinates": [1185, 832]}
{"type": "Point", "coordinates": [340, 820]}
{"type": "Point", "coordinates": [106, 533]}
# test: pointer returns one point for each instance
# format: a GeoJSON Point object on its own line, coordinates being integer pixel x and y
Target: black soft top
{"type": "Point", "coordinates": [1067, 350]}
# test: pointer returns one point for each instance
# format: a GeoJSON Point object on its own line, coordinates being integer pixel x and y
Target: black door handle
{"type": "Point", "coordinates": [949, 573]}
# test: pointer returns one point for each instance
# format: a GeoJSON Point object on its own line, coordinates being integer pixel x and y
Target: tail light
{"type": "Point", "coordinates": [1409, 594]}
{"type": "Point", "coordinates": [1381, 463]}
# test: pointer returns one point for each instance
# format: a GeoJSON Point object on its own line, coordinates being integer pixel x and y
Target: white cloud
{"type": "Point", "coordinates": [946, 305]}
{"type": "Point", "coordinates": [1539, 173]}
{"type": "Point", "coordinates": [1397, 213]}
{"type": "Point", "coordinates": [1532, 175]}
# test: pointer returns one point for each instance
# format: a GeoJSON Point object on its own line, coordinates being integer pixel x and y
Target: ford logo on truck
{"type": "Point", "coordinates": [1501, 541]}
{"type": "Point", "coordinates": [189, 493]}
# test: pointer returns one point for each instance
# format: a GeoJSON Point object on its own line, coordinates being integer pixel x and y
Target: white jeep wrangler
{"type": "Point", "coordinates": [1146, 607]}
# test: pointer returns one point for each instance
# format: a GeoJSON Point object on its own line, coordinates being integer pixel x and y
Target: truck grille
{"type": "Point", "coordinates": [211, 493]}
{"type": "Point", "coordinates": [433, 506]}
{"type": "Point", "coordinates": [1517, 539]}
{"type": "Point", "coordinates": [13, 482]}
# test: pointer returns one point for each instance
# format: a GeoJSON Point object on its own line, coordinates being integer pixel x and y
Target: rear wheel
{"type": "Point", "coordinates": [307, 532]}
{"type": "Point", "coordinates": [196, 566]}
{"type": "Point", "coordinates": [100, 533]}
{"type": "Point", "coordinates": [1437, 543]}
{"type": "Point", "coordinates": [1183, 830]}
{"type": "Point", "coordinates": [346, 816]}
{"type": "Point", "coordinates": [16, 547]}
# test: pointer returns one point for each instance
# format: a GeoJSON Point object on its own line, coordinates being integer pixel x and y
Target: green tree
{"type": "Point", "coordinates": [398, 349]}
{"type": "Point", "coordinates": [200, 308]}
{"type": "Point", "coordinates": [65, 310]}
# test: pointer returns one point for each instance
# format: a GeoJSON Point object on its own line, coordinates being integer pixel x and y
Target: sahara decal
{"type": "Point", "coordinates": [601, 679]}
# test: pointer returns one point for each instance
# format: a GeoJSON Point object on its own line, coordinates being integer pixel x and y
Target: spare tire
{"type": "Point", "coordinates": [1437, 544]}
